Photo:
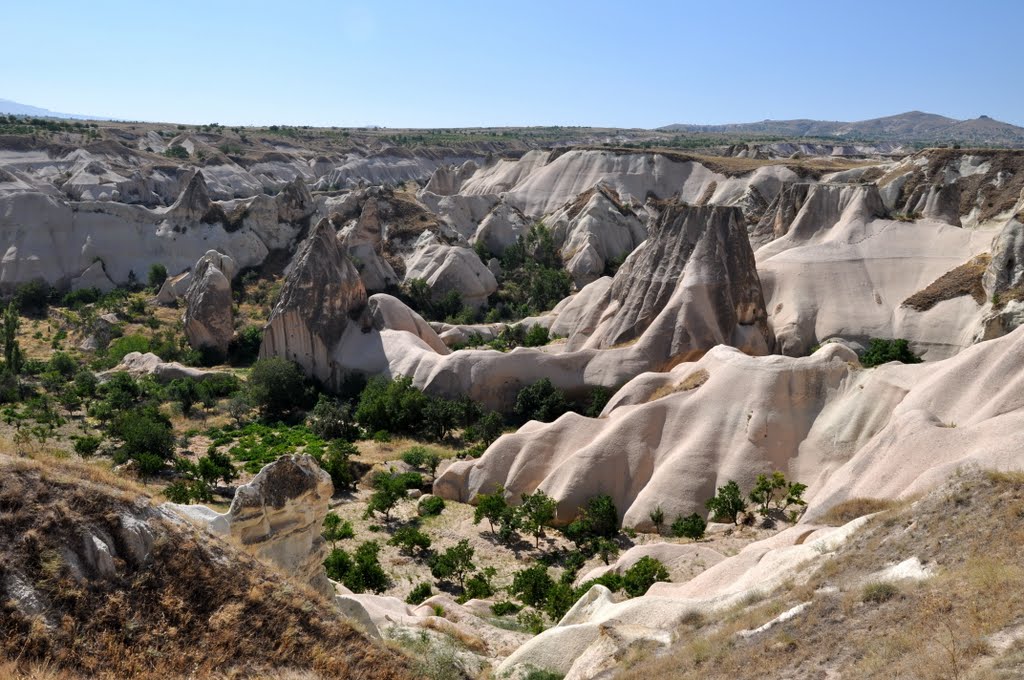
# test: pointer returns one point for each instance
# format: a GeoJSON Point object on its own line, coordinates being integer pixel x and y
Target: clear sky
{"type": "Point", "coordinates": [447, 63]}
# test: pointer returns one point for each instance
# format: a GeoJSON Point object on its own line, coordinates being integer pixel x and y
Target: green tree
{"type": "Point", "coordinates": [366, 572]}
{"type": "Point", "coordinates": [766, 489]}
{"type": "Point", "coordinates": [642, 575]}
{"type": "Point", "coordinates": [537, 511]}
{"type": "Point", "coordinates": [657, 518]}
{"type": "Point", "coordinates": [143, 431]}
{"type": "Point", "coordinates": [410, 539]}
{"type": "Point", "coordinates": [882, 351]}
{"type": "Point", "coordinates": [560, 599]}
{"type": "Point", "coordinates": [157, 276]}
{"type": "Point", "coordinates": [531, 585]}
{"type": "Point", "coordinates": [727, 504]}
{"type": "Point", "coordinates": [388, 490]}
{"type": "Point", "coordinates": [541, 401]}
{"type": "Point", "coordinates": [420, 593]}
{"type": "Point", "coordinates": [487, 429]}
{"type": "Point", "coordinates": [692, 527]}
{"type": "Point", "coordinates": [391, 406]}
{"type": "Point", "coordinates": [336, 529]}
{"type": "Point", "coordinates": [336, 460]}
{"type": "Point", "coordinates": [479, 586]}
{"type": "Point", "coordinates": [276, 386]}
{"type": "Point", "coordinates": [332, 419]}
{"type": "Point", "coordinates": [454, 563]}
{"type": "Point", "coordinates": [490, 506]}
{"type": "Point", "coordinates": [338, 564]}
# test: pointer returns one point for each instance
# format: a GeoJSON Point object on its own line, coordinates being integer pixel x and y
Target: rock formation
{"type": "Point", "coordinates": [208, 319]}
{"type": "Point", "coordinates": [692, 285]}
{"type": "Point", "coordinates": [139, 364]}
{"type": "Point", "coordinates": [277, 518]}
{"type": "Point", "coordinates": [318, 301]}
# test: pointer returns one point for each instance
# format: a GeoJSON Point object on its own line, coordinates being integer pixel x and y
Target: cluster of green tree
{"type": "Point", "coordinates": [532, 280]}
{"type": "Point", "coordinates": [882, 351]}
{"type": "Point", "coordinates": [771, 497]}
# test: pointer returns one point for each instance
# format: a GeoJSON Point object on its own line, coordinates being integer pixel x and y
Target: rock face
{"type": "Point", "coordinates": [449, 269]}
{"type": "Point", "coordinates": [837, 267]}
{"type": "Point", "coordinates": [321, 293]}
{"type": "Point", "coordinates": [209, 322]}
{"type": "Point", "coordinates": [593, 231]}
{"type": "Point", "coordinates": [692, 285]}
{"type": "Point", "coordinates": [670, 439]}
{"type": "Point", "coordinates": [277, 518]}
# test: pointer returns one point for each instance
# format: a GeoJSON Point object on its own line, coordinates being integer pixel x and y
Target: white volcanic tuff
{"type": "Point", "coordinates": [690, 286]}
{"type": "Point", "coordinates": [592, 234]}
{"type": "Point", "coordinates": [208, 318]}
{"type": "Point", "coordinates": [49, 238]}
{"type": "Point", "coordinates": [837, 269]}
{"type": "Point", "coordinates": [450, 268]}
{"type": "Point", "coordinates": [842, 430]}
{"type": "Point", "coordinates": [320, 292]}
{"type": "Point", "coordinates": [393, 166]}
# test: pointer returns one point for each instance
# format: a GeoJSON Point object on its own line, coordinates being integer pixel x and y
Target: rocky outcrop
{"type": "Point", "coordinates": [277, 518]}
{"type": "Point", "coordinates": [839, 267]}
{"type": "Point", "coordinates": [321, 295]}
{"type": "Point", "coordinates": [208, 319]}
{"type": "Point", "coordinates": [670, 439]}
{"type": "Point", "coordinates": [448, 269]}
{"type": "Point", "coordinates": [692, 285]}
{"type": "Point", "coordinates": [594, 231]}
{"type": "Point", "coordinates": [294, 202]}
{"type": "Point", "coordinates": [139, 364]}
{"type": "Point", "coordinates": [100, 334]}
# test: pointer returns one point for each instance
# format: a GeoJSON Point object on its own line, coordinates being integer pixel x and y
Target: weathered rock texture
{"type": "Point", "coordinates": [209, 321]}
{"type": "Point", "coordinates": [692, 285]}
{"type": "Point", "coordinates": [277, 518]}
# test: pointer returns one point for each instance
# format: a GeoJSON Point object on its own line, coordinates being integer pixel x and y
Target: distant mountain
{"type": "Point", "coordinates": [913, 126]}
{"type": "Point", "coordinates": [9, 107]}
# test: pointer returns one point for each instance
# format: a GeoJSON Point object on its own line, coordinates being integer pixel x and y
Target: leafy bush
{"type": "Point", "coordinates": [598, 399]}
{"type": "Point", "coordinates": [338, 564]}
{"type": "Point", "coordinates": [881, 351]}
{"type": "Point", "coordinates": [336, 529]}
{"type": "Point", "coordinates": [336, 461]}
{"type": "Point", "coordinates": [143, 431]}
{"type": "Point", "coordinates": [775, 491]}
{"type": "Point", "coordinates": [32, 297]}
{"type": "Point", "coordinates": [79, 298]}
{"type": "Point", "coordinates": [657, 518]}
{"type": "Point", "coordinates": [727, 504]}
{"type": "Point", "coordinates": [87, 445]}
{"type": "Point", "coordinates": [244, 348]}
{"type": "Point", "coordinates": [366, 572]}
{"type": "Point", "coordinates": [276, 386]}
{"type": "Point", "coordinates": [410, 539]}
{"type": "Point", "coordinates": [505, 608]}
{"type": "Point", "coordinates": [692, 526]}
{"type": "Point", "coordinates": [176, 151]}
{"type": "Point", "coordinates": [541, 401]}
{"type": "Point", "coordinates": [431, 506]}
{"type": "Point", "coordinates": [642, 575]}
{"type": "Point", "coordinates": [420, 593]}
{"type": "Point", "coordinates": [561, 597]}
{"type": "Point", "coordinates": [537, 336]}
{"type": "Point", "coordinates": [487, 429]}
{"type": "Point", "coordinates": [531, 585]}
{"type": "Point", "coordinates": [454, 563]}
{"type": "Point", "coordinates": [332, 419]}
{"type": "Point", "coordinates": [479, 586]}
{"type": "Point", "coordinates": [157, 276]}
{"type": "Point", "coordinates": [390, 405]}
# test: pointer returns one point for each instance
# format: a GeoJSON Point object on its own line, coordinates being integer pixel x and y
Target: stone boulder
{"type": "Point", "coordinates": [101, 333]}
{"type": "Point", "coordinates": [139, 364]}
{"type": "Point", "coordinates": [277, 518]}
{"type": "Point", "coordinates": [321, 296]}
{"type": "Point", "coordinates": [209, 322]}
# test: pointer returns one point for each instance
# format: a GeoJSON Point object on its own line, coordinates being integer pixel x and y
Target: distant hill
{"type": "Point", "coordinates": [913, 126]}
{"type": "Point", "coordinates": [10, 107]}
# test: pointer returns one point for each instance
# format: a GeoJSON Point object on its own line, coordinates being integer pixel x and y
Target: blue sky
{"type": "Point", "coordinates": [454, 63]}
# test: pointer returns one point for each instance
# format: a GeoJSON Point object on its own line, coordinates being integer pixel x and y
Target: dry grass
{"type": "Point", "coordinates": [192, 608]}
{"type": "Point", "coordinates": [691, 382]}
{"type": "Point", "coordinates": [963, 280]}
{"type": "Point", "coordinates": [969, 533]}
{"type": "Point", "coordinates": [849, 510]}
